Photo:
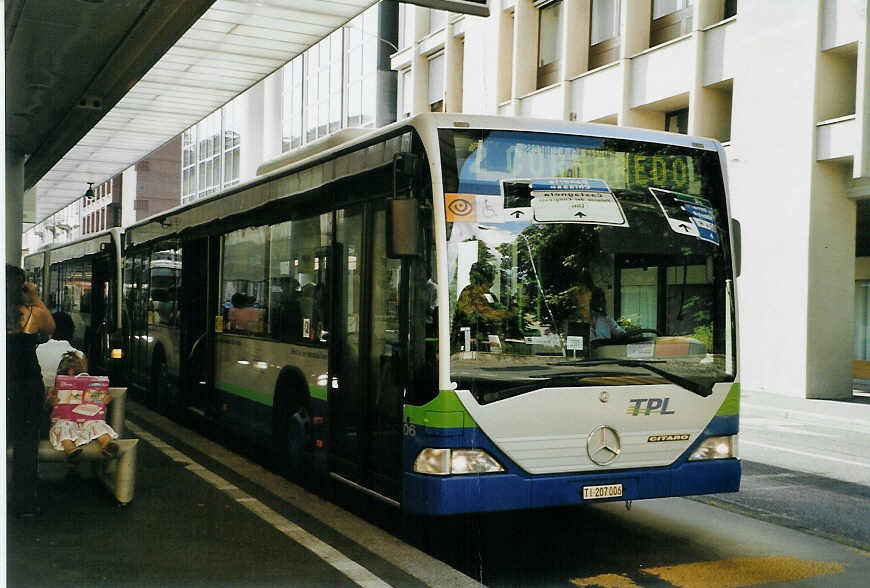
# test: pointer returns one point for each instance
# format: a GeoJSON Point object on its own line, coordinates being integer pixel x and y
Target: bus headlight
{"type": "Point", "coordinates": [715, 448]}
{"type": "Point", "coordinates": [433, 461]}
{"type": "Point", "coordinates": [473, 461]}
{"type": "Point", "coordinates": [442, 462]}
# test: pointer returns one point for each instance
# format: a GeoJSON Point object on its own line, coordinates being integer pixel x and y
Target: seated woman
{"type": "Point", "coordinates": [243, 316]}
{"type": "Point", "coordinates": [590, 308]}
{"type": "Point", "coordinates": [603, 327]}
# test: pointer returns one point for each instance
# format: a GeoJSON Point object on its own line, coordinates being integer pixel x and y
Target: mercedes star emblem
{"type": "Point", "coordinates": [602, 445]}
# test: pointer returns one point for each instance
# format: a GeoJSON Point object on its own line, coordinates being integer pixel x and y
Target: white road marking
{"type": "Point", "coordinates": [806, 453]}
{"type": "Point", "coordinates": [357, 573]}
{"type": "Point", "coordinates": [767, 427]}
{"type": "Point", "coordinates": [391, 549]}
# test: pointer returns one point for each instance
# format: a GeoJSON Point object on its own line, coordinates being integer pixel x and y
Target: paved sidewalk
{"type": "Point", "coordinates": [824, 437]}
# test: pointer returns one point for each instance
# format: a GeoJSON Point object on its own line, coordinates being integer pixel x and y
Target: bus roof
{"type": "Point", "coordinates": [433, 121]}
{"type": "Point", "coordinates": [87, 245]}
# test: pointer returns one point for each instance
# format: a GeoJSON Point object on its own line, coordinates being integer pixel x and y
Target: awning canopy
{"type": "Point", "coordinates": [93, 86]}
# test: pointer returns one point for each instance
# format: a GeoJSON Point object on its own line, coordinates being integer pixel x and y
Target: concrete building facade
{"type": "Point", "coordinates": [784, 85]}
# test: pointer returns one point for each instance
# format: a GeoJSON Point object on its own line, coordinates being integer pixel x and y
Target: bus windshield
{"type": "Point", "coordinates": [584, 261]}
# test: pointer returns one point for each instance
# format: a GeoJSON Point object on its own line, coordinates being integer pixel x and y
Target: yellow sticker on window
{"type": "Point", "coordinates": [459, 207]}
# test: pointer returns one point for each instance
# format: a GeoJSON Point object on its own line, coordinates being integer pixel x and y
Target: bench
{"type": "Point", "coordinates": [118, 475]}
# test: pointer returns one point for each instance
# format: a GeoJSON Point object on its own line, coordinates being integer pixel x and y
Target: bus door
{"type": "Point", "coordinates": [365, 400]}
{"type": "Point", "coordinates": [136, 277]}
{"type": "Point", "coordinates": [101, 313]}
{"type": "Point", "coordinates": [197, 329]}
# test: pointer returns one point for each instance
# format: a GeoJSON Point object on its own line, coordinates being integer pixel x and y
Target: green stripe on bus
{"type": "Point", "coordinates": [318, 392]}
{"type": "Point", "coordinates": [258, 397]}
{"type": "Point", "coordinates": [445, 411]}
{"type": "Point", "coordinates": [731, 404]}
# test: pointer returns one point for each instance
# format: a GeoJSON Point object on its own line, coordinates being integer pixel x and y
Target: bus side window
{"type": "Point", "coordinates": [297, 276]}
{"type": "Point", "coordinates": [244, 283]}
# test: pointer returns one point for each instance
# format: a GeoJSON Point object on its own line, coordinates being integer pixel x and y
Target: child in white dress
{"type": "Point", "coordinates": [68, 435]}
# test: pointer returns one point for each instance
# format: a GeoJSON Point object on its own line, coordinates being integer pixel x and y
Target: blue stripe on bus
{"type": "Point", "coordinates": [516, 489]}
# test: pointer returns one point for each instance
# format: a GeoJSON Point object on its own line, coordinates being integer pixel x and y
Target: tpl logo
{"type": "Point", "coordinates": [648, 406]}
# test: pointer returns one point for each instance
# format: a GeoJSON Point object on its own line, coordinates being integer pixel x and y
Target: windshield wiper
{"type": "Point", "coordinates": [566, 379]}
{"type": "Point", "coordinates": [699, 388]}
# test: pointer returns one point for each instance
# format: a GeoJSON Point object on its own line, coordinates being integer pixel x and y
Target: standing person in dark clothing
{"type": "Point", "coordinates": [478, 309]}
{"type": "Point", "coordinates": [28, 323]}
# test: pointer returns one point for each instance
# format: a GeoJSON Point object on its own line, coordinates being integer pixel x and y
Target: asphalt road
{"type": "Point", "coordinates": [783, 528]}
{"type": "Point", "coordinates": [205, 514]}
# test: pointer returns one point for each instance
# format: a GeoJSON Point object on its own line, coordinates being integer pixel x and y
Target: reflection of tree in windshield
{"type": "Point", "coordinates": [561, 254]}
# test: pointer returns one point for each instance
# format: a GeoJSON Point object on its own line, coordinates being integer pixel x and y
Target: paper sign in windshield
{"type": "Point", "coordinates": [687, 215]}
{"type": "Point", "coordinates": [575, 200]}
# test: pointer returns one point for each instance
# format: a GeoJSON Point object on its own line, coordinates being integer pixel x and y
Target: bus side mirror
{"type": "Point", "coordinates": [403, 228]}
{"type": "Point", "coordinates": [735, 238]}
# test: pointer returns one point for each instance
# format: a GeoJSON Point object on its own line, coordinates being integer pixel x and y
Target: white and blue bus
{"type": "Point", "coordinates": [459, 313]}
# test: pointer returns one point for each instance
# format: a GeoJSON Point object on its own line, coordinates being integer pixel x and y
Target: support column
{"type": "Point", "coordinates": [831, 284]}
{"type": "Point", "coordinates": [770, 173]}
{"type": "Point", "coordinates": [387, 83]}
{"type": "Point", "coordinates": [14, 206]}
{"type": "Point", "coordinates": [861, 162]}
{"type": "Point", "coordinates": [525, 74]}
{"type": "Point", "coordinates": [634, 24]}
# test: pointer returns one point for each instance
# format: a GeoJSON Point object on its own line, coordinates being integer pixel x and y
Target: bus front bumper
{"type": "Point", "coordinates": [447, 495]}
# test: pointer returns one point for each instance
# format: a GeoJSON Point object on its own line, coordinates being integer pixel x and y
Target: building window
{"type": "Point", "coordinates": [333, 84]}
{"type": "Point", "coordinates": [362, 64]}
{"type": "Point", "coordinates": [208, 151]}
{"type": "Point", "coordinates": [665, 7]}
{"type": "Point", "coordinates": [670, 19]}
{"type": "Point", "coordinates": [336, 71]}
{"type": "Point", "coordinates": [407, 93]}
{"type": "Point", "coordinates": [605, 21]}
{"type": "Point", "coordinates": [604, 35]}
{"type": "Point", "coordinates": [549, 42]}
{"type": "Point", "coordinates": [677, 121]}
{"type": "Point", "coordinates": [232, 144]}
{"type": "Point", "coordinates": [188, 165]}
{"type": "Point", "coordinates": [436, 83]}
{"type": "Point", "coordinates": [323, 84]}
{"type": "Point", "coordinates": [291, 105]}
{"type": "Point", "coordinates": [211, 154]}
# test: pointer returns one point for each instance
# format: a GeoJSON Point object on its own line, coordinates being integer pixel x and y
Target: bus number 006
{"type": "Point", "coordinates": [409, 430]}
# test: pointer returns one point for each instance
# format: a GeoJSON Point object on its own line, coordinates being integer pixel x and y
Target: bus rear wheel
{"type": "Point", "coordinates": [291, 429]}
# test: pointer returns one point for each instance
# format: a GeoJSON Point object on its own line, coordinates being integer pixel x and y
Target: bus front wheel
{"type": "Point", "coordinates": [160, 385]}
